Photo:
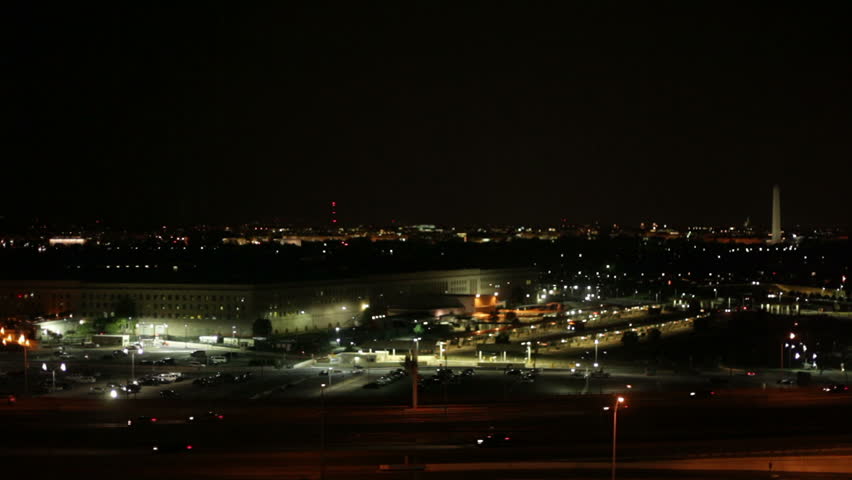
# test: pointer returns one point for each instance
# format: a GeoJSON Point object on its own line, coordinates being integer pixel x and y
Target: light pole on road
{"type": "Point", "coordinates": [618, 401]}
{"type": "Point", "coordinates": [322, 432]}
{"type": "Point", "coordinates": [596, 352]}
{"type": "Point", "coordinates": [133, 362]}
{"type": "Point", "coordinates": [53, 373]}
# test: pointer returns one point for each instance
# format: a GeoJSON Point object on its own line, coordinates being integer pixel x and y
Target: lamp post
{"type": "Point", "coordinates": [322, 431]}
{"type": "Point", "coordinates": [790, 351]}
{"type": "Point", "coordinates": [618, 401]}
{"type": "Point", "coordinates": [133, 362]}
{"type": "Point", "coordinates": [53, 373]}
{"type": "Point", "coordinates": [185, 336]}
{"type": "Point", "coordinates": [24, 342]}
{"type": "Point", "coordinates": [596, 352]}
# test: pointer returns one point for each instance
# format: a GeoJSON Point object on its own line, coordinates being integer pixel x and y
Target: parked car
{"type": "Point", "coordinates": [169, 394]}
{"type": "Point", "coordinates": [131, 388]}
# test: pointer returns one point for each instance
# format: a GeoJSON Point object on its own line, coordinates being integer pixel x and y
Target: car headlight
{"type": "Point", "coordinates": [479, 442]}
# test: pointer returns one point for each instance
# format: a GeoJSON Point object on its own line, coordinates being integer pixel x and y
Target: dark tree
{"type": "Point", "coordinates": [261, 327]}
{"type": "Point", "coordinates": [654, 335]}
{"type": "Point", "coordinates": [630, 339]}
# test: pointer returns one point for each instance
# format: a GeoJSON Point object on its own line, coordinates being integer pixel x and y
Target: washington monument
{"type": "Point", "coordinates": [776, 215]}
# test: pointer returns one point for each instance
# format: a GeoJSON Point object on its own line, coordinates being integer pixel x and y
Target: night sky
{"type": "Point", "coordinates": [516, 112]}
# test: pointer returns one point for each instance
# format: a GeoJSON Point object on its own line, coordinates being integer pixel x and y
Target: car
{"type": "Point", "coordinates": [513, 371]}
{"type": "Point", "coordinates": [836, 388]}
{"type": "Point", "coordinates": [198, 354]}
{"type": "Point", "coordinates": [142, 421]}
{"type": "Point", "coordinates": [196, 363]}
{"type": "Point", "coordinates": [493, 440]}
{"type": "Point", "coordinates": [208, 417]}
{"type": "Point", "coordinates": [97, 391]}
{"type": "Point", "coordinates": [85, 379]}
{"type": "Point", "coordinates": [9, 398]}
{"type": "Point", "coordinates": [119, 353]}
{"type": "Point", "coordinates": [786, 381]}
{"type": "Point", "coordinates": [149, 381]}
{"type": "Point", "coordinates": [702, 394]}
{"type": "Point", "coordinates": [169, 394]}
{"type": "Point", "coordinates": [599, 374]}
{"type": "Point", "coordinates": [169, 377]}
{"type": "Point", "coordinates": [146, 361]}
{"type": "Point", "coordinates": [751, 373]}
{"type": "Point", "coordinates": [468, 372]}
{"type": "Point", "coordinates": [172, 447]}
{"type": "Point", "coordinates": [217, 359]}
{"type": "Point", "coordinates": [131, 388]}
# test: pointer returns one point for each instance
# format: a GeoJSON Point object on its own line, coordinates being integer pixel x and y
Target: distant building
{"type": "Point", "coordinates": [230, 309]}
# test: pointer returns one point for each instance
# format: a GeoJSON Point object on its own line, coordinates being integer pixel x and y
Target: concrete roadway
{"type": "Point", "coordinates": [270, 439]}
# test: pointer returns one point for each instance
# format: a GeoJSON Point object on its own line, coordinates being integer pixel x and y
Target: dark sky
{"type": "Point", "coordinates": [521, 112]}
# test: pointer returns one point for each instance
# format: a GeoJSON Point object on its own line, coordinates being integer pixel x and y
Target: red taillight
{"type": "Point", "coordinates": [153, 420]}
{"type": "Point", "coordinates": [189, 447]}
{"type": "Point", "coordinates": [221, 417]}
{"type": "Point", "coordinates": [507, 438]}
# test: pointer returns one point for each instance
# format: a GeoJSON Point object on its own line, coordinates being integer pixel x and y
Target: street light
{"type": "Point", "coordinates": [322, 431]}
{"type": "Point", "coordinates": [596, 352]}
{"type": "Point", "coordinates": [53, 373]}
{"type": "Point", "coordinates": [618, 401]}
{"type": "Point", "coordinates": [133, 362]}
{"type": "Point", "coordinates": [185, 336]}
{"type": "Point", "coordinates": [24, 342]}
